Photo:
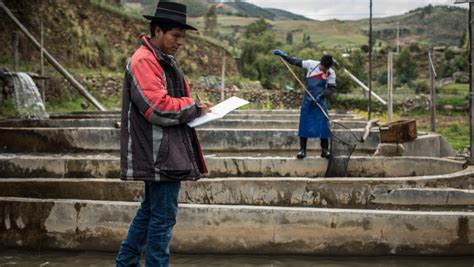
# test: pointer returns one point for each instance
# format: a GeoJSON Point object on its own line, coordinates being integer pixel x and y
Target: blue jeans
{"type": "Point", "coordinates": [153, 226]}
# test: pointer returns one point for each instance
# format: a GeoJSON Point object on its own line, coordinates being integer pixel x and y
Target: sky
{"type": "Point", "coordinates": [349, 9]}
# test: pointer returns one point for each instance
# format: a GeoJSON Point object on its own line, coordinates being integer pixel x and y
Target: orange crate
{"type": "Point", "coordinates": [398, 131]}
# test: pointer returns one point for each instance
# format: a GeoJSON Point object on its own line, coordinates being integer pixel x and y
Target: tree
{"type": "Point", "coordinates": [358, 61]}
{"type": "Point", "coordinates": [464, 40]}
{"type": "Point", "coordinates": [256, 57]}
{"type": "Point", "coordinates": [405, 67]}
{"type": "Point", "coordinates": [289, 38]}
{"type": "Point", "coordinates": [307, 40]}
{"type": "Point", "coordinates": [257, 28]}
{"type": "Point", "coordinates": [210, 21]}
{"type": "Point", "coordinates": [364, 48]}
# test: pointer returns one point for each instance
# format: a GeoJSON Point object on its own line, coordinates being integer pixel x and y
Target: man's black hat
{"type": "Point", "coordinates": [171, 12]}
{"type": "Point", "coordinates": [326, 61]}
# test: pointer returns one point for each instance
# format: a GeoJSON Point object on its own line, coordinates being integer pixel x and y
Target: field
{"type": "Point", "coordinates": [334, 33]}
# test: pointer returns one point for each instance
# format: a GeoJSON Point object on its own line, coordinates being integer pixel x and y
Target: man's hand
{"type": "Point", "coordinates": [279, 53]}
{"type": "Point", "coordinates": [205, 107]}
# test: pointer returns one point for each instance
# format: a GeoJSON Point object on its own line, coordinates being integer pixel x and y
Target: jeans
{"type": "Point", "coordinates": [152, 225]}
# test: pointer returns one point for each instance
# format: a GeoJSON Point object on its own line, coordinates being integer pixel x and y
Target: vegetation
{"type": "Point", "coordinates": [249, 33]}
{"type": "Point", "coordinates": [210, 21]}
{"type": "Point", "coordinates": [405, 67]}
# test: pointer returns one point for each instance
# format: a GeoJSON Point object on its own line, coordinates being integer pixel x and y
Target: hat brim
{"type": "Point", "coordinates": [184, 25]}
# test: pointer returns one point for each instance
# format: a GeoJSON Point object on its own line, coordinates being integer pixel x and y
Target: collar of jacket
{"type": "Point", "coordinates": [146, 42]}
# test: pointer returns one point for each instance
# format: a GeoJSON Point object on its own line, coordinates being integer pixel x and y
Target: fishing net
{"type": "Point", "coordinates": [341, 149]}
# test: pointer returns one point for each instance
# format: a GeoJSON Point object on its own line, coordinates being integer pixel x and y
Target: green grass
{"type": "Point", "coordinates": [455, 89]}
{"type": "Point", "coordinates": [117, 10]}
{"type": "Point", "coordinates": [453, 127]}
{"type": "Point", "coordinates": [453, 100]}
{"type": "Point", "coordinates": [334, 34]}
{"type": "Point", "coordinates": [8, 109]}
{"type": "Point", "coordinates": [66, 106]}
{"type": "Point", "coordinates": [74, 104]}
{"type": "Point", "coordinates": [457, 135]}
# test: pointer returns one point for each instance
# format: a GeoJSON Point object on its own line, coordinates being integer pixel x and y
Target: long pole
{"type": "Point", "coordinates": [370, 62]}
{"type": "Point", "coordinates": [471, 87]}
{"type": "Point", "coordinates": [53, 61]}
{"type": "Point", "coordinates": [361, 84]}
{"type": "Point", "coordinates": [390, 85]}
{"type": "Point", "coordinates": [432, 92]}
{"type": "Point", "coordinates": [398, 37]}
{"type": "Point", "coordinates": [223, 79]}
{"type": "Point", "coordinates": [42, 64]}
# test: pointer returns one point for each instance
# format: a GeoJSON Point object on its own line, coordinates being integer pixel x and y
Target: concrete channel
{"type": "Point", "coordinates": [108, 166]}
{"type": "Point", "coordinates": [97, 139]}
{"type": "Point", "coordinates": [59, 189]}
{"type": "Point", "coordinates": [223, 123]}
{"type": "Point", "coordinates": [435, 191]}
{"type": "Point", "coordinates": [235, 229]}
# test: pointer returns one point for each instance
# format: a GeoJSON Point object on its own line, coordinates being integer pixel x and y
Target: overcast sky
{"type": "Point", "coordinates": [349, 9]}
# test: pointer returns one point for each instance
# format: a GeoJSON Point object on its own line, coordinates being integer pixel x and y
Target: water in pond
{"type": "Point", "coordinates": [83, 259]}
{"type": "Point", "coordinates": [28, 100]}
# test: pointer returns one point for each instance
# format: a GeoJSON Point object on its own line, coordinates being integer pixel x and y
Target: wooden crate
{"type": "Point", "coordinates": [398, 131]}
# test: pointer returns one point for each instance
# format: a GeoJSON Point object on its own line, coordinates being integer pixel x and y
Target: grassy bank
{"type": "Point", "coordinates": [453, 126]}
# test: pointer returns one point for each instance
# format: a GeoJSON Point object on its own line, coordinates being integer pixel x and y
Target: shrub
{"type": "Point", "coordinates": [421, 86]}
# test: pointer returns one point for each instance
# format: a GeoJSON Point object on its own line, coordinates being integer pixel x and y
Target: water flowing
{"type": "Point", "coordinates": [28, 99]}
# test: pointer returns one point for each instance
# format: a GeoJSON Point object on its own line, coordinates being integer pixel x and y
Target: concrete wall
{"type": "Point", "coordinates": [211, 229]}
{"type": "Point", "coordinates": [107, 139]}
{"type": "Point", "coordinates": [223, 123]}
{"type": "Point", "coordinates": [108, 166]}
{"type": "Point", "coordinates": [437, 144]}
{"type": "Point", "coordinates": [429, 191]}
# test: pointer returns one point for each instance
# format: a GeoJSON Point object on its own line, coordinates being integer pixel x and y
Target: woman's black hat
{"type": "Point", "coordinates": [171, 12]}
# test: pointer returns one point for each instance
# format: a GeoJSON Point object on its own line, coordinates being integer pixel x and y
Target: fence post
{"type": "Point", "coordinates": [42, 65]}
{"type": "Point", "coordinates": [471, 86]}
{"type": "Point", "coordinates": [432, 92]}
{"type": "Point", "coordinates": [223, 79]}
{"type": "Point", "coordinates": [390, 86]}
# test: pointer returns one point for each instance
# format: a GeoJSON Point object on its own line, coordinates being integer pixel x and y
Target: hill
{"type": "Point", "coordinates": [199, 8]}
{"type": "Point", "coordinates": [90, 35]}
{"type": "Point", "coordinates": [432, 26]}
{"type": "Point", "coordinates": [244, 9]}
{"type": "Point", "coordinates": [285, 15]}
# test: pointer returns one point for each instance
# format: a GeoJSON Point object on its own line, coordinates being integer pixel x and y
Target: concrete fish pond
{"type": "Point", "coordinates": [59, 189]}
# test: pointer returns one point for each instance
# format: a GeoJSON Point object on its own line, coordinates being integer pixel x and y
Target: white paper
{"type": "Point", "coordinates": [219, 111]}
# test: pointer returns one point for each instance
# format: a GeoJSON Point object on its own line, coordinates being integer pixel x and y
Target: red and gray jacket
{"type": "Point", "coordinates": [155, 142]}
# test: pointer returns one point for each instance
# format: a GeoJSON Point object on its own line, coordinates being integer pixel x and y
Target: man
{"type": "Point", "coordinates": [156, 145]}
{"type": "Point", "coordinates": [320, 81]}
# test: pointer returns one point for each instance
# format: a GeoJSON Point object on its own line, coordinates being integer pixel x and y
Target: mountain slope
{"type": "Point", "coordinates": [431, 25]}
{"type": "Point", "coordinates": [199, 8]}
{"type": "Point", "coordinates": [285, 15]}
{"type": "Point", "coordinates": [85, 34]}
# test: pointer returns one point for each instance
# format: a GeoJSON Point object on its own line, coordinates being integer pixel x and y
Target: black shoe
{"type": "Point", "coordinates": [301, 154]}
{"type": "Point", "coordinates": [325, 154]}
{"type": "Point", "coordinates": [325, 148]}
